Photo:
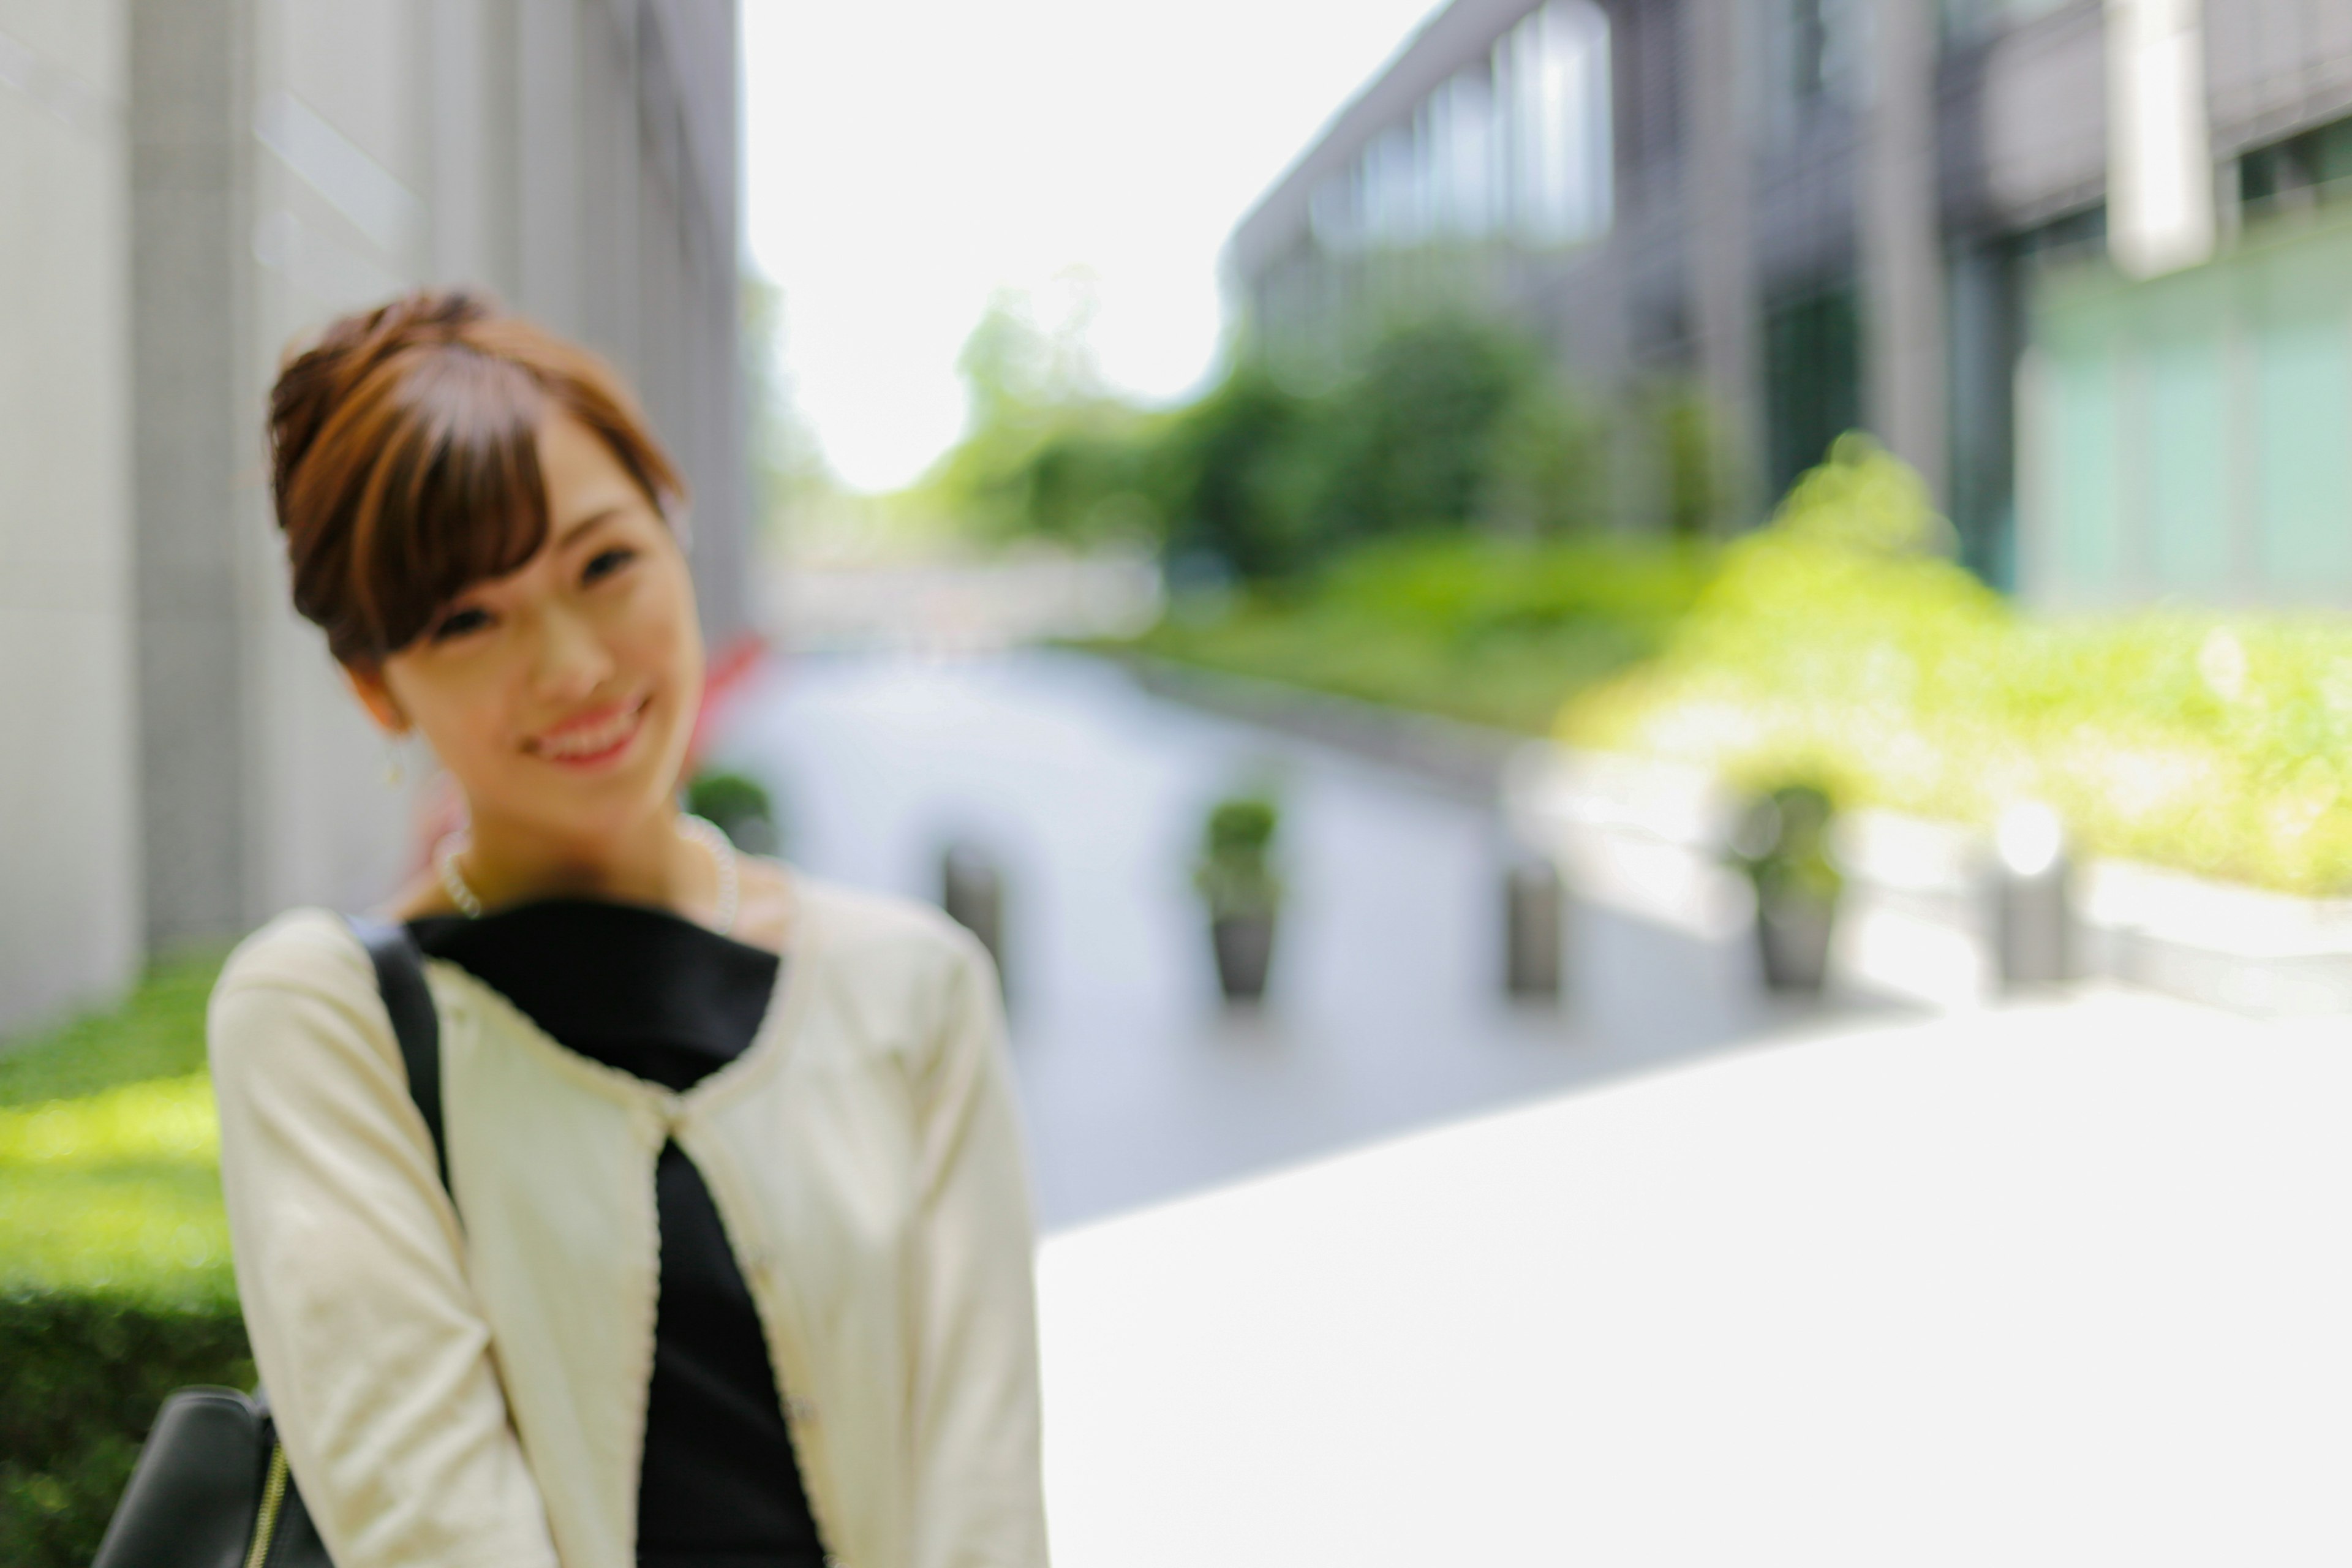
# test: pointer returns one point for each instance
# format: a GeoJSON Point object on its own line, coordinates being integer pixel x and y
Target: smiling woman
{"type": "Point", "coordinates": [477, 517]}
{"type": "Point", "coordinates": [732, 1264]}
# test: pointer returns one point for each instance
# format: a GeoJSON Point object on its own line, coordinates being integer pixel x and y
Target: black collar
{"type": "Point", "coordinates": [636, 988]}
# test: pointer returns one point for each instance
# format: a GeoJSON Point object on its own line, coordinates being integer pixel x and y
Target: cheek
{"type": "Point", "coordinates": [660, 630]}
{"type": "Point", "coordinates": [462, 719]}
{"type": "Point", "coordinates": [472, 725]}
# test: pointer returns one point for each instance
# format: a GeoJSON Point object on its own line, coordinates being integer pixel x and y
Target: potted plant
{"type": "Point", "coordinates": [1783, 845]}
{"type": "Point", "coordinates": [1235, 877]}
{"type": "Point", "coordinates": [738, 807]}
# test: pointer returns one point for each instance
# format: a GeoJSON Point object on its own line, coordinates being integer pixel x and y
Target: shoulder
{"type": "Point", "coordinates": [301, 982]}
{"type": "Point", "coordinates": [859, 928]}
{"type": "Point", "coordinates": [305, 949]}
{"type": "Point", "coordinates": [893, 959]}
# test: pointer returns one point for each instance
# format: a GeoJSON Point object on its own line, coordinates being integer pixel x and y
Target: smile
{"type": "Point", "coordinates": [594, 740]}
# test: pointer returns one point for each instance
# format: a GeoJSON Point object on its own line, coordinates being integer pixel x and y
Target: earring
{"type": "Point", "coordinates": [394, 772]}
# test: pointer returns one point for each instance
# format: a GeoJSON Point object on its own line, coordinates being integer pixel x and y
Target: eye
{"type": "Point", "coordinates": [459, 622]}
{"type": "Point", "coordinates": [605, 563]}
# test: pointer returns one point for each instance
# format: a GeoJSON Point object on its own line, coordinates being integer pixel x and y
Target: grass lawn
{"type": "Point", "coordinates": [109, 1151]}
{"type": "Point", "coordinates": [1486, 631]}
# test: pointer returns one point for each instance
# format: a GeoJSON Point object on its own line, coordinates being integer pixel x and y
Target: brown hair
{"type": "Point", "coordinates": [404, 459]}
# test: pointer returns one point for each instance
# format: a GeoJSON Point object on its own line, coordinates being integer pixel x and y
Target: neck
{"type": "Point", "coordinates": [649, 862]}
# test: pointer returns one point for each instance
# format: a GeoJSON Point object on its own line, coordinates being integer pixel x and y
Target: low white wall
{"type": "Point", "coordinates": [1916, 921]}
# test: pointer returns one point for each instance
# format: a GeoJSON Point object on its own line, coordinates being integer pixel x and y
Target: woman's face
{"type": "Point", "coordinates": [562, 696]}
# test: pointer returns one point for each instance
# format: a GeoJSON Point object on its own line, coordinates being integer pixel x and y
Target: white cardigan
{"type": "Point", "coordinates": [468, 1386]}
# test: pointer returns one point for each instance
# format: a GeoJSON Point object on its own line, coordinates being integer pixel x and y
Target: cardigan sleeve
{"type": "Point", "coordinates": [350, 1266]}
{"type": "Point", "coordinates": [979, 1490]}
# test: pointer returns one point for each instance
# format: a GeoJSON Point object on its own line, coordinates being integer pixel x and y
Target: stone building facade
{"type": "Point", "coordinates": [2086, 263]}
{"type": "Point", "coordinates": [210, 180]}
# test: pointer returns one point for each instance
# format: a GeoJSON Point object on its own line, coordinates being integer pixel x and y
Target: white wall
{"type": "Point", "coordinates": [69, 884]}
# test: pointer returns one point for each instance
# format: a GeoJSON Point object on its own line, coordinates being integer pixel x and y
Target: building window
{"type": "Point", "coordinates": [1464, 152]}
{"type": "Point", "coordinates": [1517, 146]}
{"type": "Point", "coordinates": [1813, 378]}
{"type": "Point", "coordinates": [2301, 171]}
{"type": "Point", "coordinates": [1552, 71]}
{"type": "Point", "coordinates": [1823, 51]}
{"type": "Point", "coordinates": [1334, 214]}
{"type": "Point", "coordinates": [1974, 18]}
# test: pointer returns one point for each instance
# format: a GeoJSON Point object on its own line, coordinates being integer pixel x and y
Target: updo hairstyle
{"type": "Point", "coordinates": [404, 459]}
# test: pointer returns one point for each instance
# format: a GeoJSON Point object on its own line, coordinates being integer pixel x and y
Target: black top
{"type": "Point", "coordinates": [671, 1002]}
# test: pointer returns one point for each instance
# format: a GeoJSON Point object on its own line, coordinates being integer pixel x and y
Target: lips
{"type": "Point", "coordinates": [591, 739]}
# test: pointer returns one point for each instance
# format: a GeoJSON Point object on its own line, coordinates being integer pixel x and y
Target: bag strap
{"type": "Point", "coordinates": [400, 975]}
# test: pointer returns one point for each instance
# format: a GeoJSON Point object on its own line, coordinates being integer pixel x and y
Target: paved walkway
{"type": "Point", "coordinates": [1386, 1011]}
{"type": "Point", "coordinates": [2062, 1286]}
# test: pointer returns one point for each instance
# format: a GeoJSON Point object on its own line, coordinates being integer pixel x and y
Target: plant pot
{"type": "Point", "coordinates": [1245, 949]}
{"type": "Point", "coordinates": [1792, 937]}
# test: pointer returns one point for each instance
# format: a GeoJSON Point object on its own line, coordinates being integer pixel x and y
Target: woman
{"type": "Point", "coordinates": [733, 1263]}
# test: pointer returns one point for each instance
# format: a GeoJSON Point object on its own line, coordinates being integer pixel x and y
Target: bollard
{"type": "Point", "coordinates": [972, 890]}
{"type": "Point", "coordinates": [1532, 903]}
{"type": "Point", "coordinates": [2032, 914]}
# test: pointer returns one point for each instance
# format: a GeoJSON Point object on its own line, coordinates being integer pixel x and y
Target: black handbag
{"type": "Point", "coordinates": [211, 1488]}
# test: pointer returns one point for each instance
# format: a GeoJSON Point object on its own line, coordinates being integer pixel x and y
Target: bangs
{"type": "Point", "coordinates": [405, 450]}
{"type": "Point", "coordinates": [454, 496]}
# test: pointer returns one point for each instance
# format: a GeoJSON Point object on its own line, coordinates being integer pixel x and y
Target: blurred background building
{"type": "Point", "coordinates": [2082, 264]}
{"type": "Point", "coordinates": [191, 186]}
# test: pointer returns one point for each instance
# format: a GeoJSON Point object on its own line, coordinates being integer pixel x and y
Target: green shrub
{"type": "Point", "coordinates": [1839, 644]}
{"type": "Point", "coordinates": [1413, 437]}
{"type": "Point", "coordinates": [739, 805]}
{"type": "Point", "coordinates": [1782, 843]}
{"type": "Point", "coordinates": [115, 1285]}
{"type": "Point", "coordinates": [1547, 467]}
{"type": "Point", "coordinates": [1235, 871]}
{"type": "Point", "coordinates": [1237, 474]}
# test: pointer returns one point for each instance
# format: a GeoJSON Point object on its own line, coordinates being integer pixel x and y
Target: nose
{"type": "Point", "coordinates": [570, 660]}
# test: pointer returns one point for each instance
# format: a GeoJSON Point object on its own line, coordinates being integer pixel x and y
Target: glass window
{"type": "Point", "coordinates": [1463, 152]}
{"type": "Point", "coordinates": [1553, 69]}
{"type": "Point", "coordinates": [1331, 213]}
{"type": "Point", "coordinates": [2313, 167]}
{"type": "Point", "coordinates": [1823, 50]}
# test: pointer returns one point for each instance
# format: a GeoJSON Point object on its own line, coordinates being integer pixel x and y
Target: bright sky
{"type": "Point", "coordinates": [905, 160]}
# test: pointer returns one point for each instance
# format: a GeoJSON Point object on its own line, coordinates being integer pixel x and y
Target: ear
{"type": "Point", "coordinates": [367, 684]}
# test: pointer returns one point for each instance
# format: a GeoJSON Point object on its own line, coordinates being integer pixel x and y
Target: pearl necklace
{"type": "Point", "coordinates": [705, 833]}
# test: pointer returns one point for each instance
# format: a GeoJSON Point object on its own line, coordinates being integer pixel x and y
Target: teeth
{"type": "Point", "coordinates": [587, 742]}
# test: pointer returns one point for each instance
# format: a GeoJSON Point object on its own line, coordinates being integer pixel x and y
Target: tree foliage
{"type": "Point", "coordinates": [1444, 423]}
{"type": "Point", "coordinates": [1048, 452]}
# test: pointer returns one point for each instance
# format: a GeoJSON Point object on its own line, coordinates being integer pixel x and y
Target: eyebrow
{"type": "Point", "coordinates": [602, 514]}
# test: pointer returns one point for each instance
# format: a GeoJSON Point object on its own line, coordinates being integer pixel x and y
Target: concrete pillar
{"type": "Point", "coordinates": [1901, 242]}
{"type": "Point", "coordinates": [195, 443]}
{"type": "Point", "coordinates": [1721, 175]}
{"type": "Point", "coordinates": [547, 98]}
{"type": "Point", "coordinates": [2161, 197]}
{"type": "Point", "coordinates": [70, 862]}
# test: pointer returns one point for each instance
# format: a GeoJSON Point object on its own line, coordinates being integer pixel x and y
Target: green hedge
{"type": "Point", "coordinates": [85, 1374]}
{"type": "Point", "coordinates": [115, 1285]}
{"type": "Point", "coordinates": [1840, 646]}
